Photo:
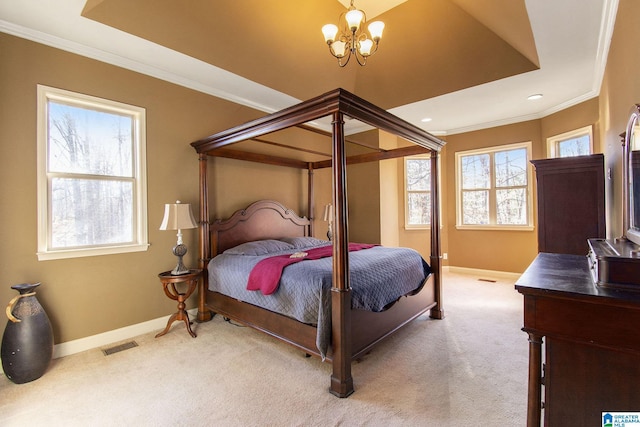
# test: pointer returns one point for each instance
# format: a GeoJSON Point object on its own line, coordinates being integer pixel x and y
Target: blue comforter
{"type": "Point", "coordinates": [378, 277]}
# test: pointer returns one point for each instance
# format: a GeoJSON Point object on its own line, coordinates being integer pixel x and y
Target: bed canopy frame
{"type": "Point", "coordinates": [337, 104]}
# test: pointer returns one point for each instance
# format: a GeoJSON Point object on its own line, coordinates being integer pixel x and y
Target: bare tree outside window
{"type": "Point", "coordinates": [418, 189]}
{"type": "Point", "coordinates": [577, 142]}
{"type": "Point", "coordinates": [511, 182]}
{"type": "Point", "coordinates": [476, 182]}
{"type": "Point", "coordinates": [90, 167]}
{"type": "Point", "coordinates": [493, 187]}
{"type": "Point", "coordinates": [574, 147]}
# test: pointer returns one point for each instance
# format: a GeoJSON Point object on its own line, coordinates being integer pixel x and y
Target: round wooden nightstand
{"type": "Point", "coordinates": [169, 282]}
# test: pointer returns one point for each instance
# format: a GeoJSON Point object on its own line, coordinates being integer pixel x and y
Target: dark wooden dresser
{"type": "Point", "coordinates": [571, 205]}
{"type": "Point", "coordinates": [591, 338]}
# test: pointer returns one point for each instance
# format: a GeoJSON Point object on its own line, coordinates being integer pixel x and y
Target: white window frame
{"type": "Point", "coordinates": [492, 208]}
{"type": "Point", "coordinates": [408, 226]}
{"type": "Point", "coordinates": [140, 242]}
{"type": "Point", "coordinates": [554, 141]}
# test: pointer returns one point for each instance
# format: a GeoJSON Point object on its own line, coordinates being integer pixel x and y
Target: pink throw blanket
{"type": "Point", "coordinates": [266, 274]}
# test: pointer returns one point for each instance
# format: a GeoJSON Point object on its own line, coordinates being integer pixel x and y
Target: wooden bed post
{"type": "Point", "coordinates": [341, 380]}
{"type": "Point", "coordinates": [204, 314]}
{"type": "Point", "coordinates": [437, 312]}
{"type": "Point", "coordinates": [310, 196]}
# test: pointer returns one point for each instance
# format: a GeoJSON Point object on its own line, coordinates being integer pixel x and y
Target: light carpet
{"type": "Point", "coordinates": [469, 369]}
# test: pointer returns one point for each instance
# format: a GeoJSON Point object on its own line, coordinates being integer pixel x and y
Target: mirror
{"type": "Point", "coordinates": [631, 177]}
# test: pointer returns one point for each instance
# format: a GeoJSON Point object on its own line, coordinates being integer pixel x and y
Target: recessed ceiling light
{"type": "Point", "coordinates": [426, 119]}
{"type": "Point", "coordinates": [534, 97]}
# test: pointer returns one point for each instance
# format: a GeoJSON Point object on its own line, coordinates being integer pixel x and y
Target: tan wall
{"type": "Point", "coordinates": [363, 181]}
{"type": "Point", "coordinates": [322, 192]}
{"type": "Point", "coordinates": [391, 194]}
{"type": "Point", "coordinates": [509, 251]}
{"type": "Point", "coordinates": [362, 191]}
{"type": "Point", "coordinates": [620, 91]}
{"type": "Point", "coordinates": [234, 184]}
{"type": "Point", "coordinates": [87, 296]}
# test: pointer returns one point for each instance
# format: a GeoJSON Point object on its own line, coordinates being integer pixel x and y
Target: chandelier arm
{"type": "Point", "coordinates": [348, 58]}
{"type": "Point", "coordinates": [374, 50]}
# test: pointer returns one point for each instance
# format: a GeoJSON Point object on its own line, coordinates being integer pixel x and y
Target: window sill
{"type": "Point", "coordinates": [496, 227]}
{"type": "Point", "coordinates": [78, 253]}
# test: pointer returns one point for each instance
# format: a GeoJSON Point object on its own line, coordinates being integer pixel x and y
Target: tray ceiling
{"type": "Point", "coordinates": [429, 48]}
{"type": "Point", "coordinates": [467, 64]}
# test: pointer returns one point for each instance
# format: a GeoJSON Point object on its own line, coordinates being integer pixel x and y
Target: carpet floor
{"type": "Point", "coordinates": [469, 369]}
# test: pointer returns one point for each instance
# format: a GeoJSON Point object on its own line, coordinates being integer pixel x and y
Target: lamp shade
{"type": "Point", "coordinates": [354, 18]}
{"type": "Point", "coordinates": [178, 216]}
{"type": "Point", "coordinates": [328, 213]}
{"type": "Point", "coordinates": [339, 48]}
{"type": "Point", "coordinates": [329, 31]}
{"type": "Point", "coordinates": [375, 29]}
{"type": "Point", "coordinates": [365, 47]}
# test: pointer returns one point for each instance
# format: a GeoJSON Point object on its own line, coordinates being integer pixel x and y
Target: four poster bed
{"type": "Point", "coordinates": [348, 322]}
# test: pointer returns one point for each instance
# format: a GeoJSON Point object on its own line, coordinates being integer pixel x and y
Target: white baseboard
{"type": "Point", "coordinates": [121, 334]}
{"type": "Point", "coordinates": [485, 274]}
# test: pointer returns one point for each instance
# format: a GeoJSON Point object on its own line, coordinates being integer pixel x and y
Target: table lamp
{"type": "Point", "coordinates": [178, 216]}
{"type": "Point", "coordinates": [328, 216]}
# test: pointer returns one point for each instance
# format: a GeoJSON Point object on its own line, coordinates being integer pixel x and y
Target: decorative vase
{"type": "Point", "coordinates": [27, 343]}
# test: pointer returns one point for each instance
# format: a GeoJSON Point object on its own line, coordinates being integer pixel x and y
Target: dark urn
{"type": "Point", "coordinates": [27, 343]}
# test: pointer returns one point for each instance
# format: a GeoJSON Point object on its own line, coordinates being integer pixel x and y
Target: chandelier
{"type": "Point", "coordinates": [353, 40]}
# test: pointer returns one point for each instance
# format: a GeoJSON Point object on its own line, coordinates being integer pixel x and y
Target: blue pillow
{"type": "Point", "coordinates": [260, 247]}
{"type": "Point", "coordinates": [304, 242]}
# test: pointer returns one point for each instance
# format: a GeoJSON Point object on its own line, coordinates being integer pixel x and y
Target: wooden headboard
{"type": "Point", "coordinates": [264, 219]}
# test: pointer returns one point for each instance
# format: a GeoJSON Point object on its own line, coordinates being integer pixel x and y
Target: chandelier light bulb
{"type": "Point", "coordinates": [354, 18]}
{"type": "Point", "coordinates": [365, 47]}
{"type": "Point", "coordinates": [375, 29]}
{"type": "Point", "coordinates": [329, 32]}
{"type": "Point", "coordinates": [338, 48]}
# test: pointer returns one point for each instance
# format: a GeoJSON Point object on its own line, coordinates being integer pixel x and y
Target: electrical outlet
{"type": "Point", "coordinates": [445, 256]}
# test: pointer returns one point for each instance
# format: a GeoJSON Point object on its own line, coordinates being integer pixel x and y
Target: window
{"type": "Point", "coordinates": [91, 176]}
{"type": "Point", "coordinates": [493, 187]}
{"type": "Point", "coordinates": [417, 192]}
{"type": "Point", "coordinates": [575, 143]}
